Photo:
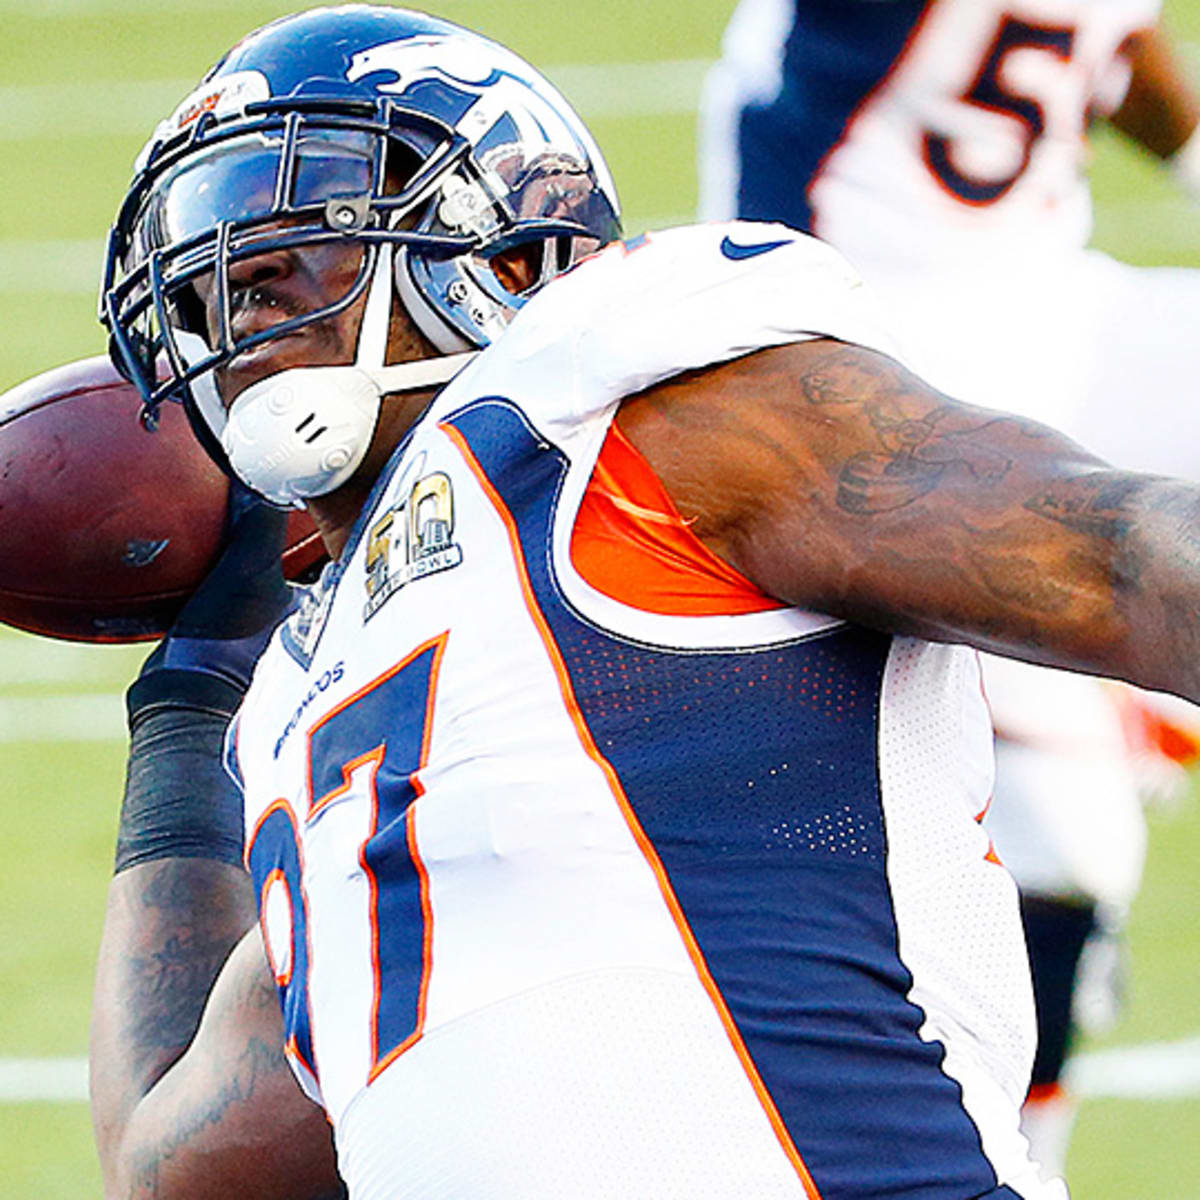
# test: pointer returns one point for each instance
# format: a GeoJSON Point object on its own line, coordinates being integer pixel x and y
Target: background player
{"type": "Point", "coordinates": [472, 825]}
{"type": "Point", "coordinates": [941, 146]}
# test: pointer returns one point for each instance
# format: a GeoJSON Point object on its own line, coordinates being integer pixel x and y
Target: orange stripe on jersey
{"type": "Point", "coordinates": [991, 855]}
{"type": "Point", "coordinates": [410, 832]}
{"type": "Point", "coordinates": [317, 803]}
{"type": "Point", "coordinates": [644, 844]}
{"type": "Point", "coordinates": [631, 543]}
{"type": "Point", "coordinates": [278, 805]}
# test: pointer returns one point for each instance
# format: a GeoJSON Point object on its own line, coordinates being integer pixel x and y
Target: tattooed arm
{"type": "Point", "coordinates": [187, 1112]}
{"type": "Point", "coordinates": [838, 481]}
{"type": "Point", "coordinates": [191, 1096]}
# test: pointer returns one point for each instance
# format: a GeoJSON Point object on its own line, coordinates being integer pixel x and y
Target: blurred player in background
{"type": "Point", "coordinates": [610, 803]}
{"type": "Point", "coordinates": [942, 146]}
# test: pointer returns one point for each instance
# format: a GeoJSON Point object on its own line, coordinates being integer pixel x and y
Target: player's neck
{"type": "Point", "coordinates": [334, 516]}
{"type": "Point", "coordinates": [335, 513]}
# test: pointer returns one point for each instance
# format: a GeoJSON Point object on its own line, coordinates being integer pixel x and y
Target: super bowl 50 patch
{"type": "Point", "coordinates": [412, 539]}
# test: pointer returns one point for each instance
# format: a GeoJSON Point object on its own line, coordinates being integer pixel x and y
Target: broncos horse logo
{"type": "Point", "coordinates": [491, 96]}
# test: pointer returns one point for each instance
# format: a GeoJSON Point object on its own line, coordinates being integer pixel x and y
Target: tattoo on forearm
{"type": "Point", "coordinates": [166, 986]}
{"type": "Point", "coordinates": [259, 1060]}
{"type": "Point", "coordinates": [171, 986]}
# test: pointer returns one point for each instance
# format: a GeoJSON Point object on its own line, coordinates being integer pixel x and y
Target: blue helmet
{"type": "Point", "coordinates": [431, 147]}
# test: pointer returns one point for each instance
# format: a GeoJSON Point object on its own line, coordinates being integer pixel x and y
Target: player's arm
{"type": "Point", "coordinates": [838, 481]}
{"type": "Point", "coordinates": [225, 1117]}
{"type": "Point", "coordinates": [1161, 108]}
{"type": "Point", "coordinates": [191, 1096]}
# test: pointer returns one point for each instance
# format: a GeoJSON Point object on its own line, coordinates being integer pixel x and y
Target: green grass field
{"type": "Point", "coordinates": [81, 84]}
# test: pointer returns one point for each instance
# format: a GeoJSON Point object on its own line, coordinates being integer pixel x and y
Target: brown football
{"type": "Point", "coordinates": [106, 528]}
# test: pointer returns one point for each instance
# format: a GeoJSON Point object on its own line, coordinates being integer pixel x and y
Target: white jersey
{"type": "Point", "coordinates": [922, 124]}
{"type": "Point", "coordinates": [570, 893]}
{"type": "Point", "coordinates": [940, 145]}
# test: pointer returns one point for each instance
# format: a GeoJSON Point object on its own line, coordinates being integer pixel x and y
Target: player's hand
{"type": "Point", "coordinates": [209, 654]}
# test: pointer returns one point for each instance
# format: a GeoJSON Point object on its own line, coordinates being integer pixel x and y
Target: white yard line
{"type": "Point", "coordinates": [41, 111]}
{"type": "Point", "coordinates": [26, 660]}
{"type": "Point", "coordinates": [98, 718]}
{"type": "Point", "coordinates": [57, 9]}
{"type": "Point", "coordinates": [45, 111]}
{"type": "Point", "coordinates": [54, 1080]}
{"type": "Point", "coordinates": [632, 89]}
{"type": "Point", "coordinates": [124, 108]}
{"type": "Point", "coordinates": [72, 267]}
{"type": "Point", "coordinates": [1158, 1071]}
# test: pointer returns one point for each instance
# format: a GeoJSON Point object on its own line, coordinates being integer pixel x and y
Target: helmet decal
{"type": "Point", "coordinates": [223, 96]}
{"type": "Point", "coordinates": [494, 85]}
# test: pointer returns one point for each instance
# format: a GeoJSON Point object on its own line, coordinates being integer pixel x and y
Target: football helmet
{"type": "Point", "coordinates": [422, 147]}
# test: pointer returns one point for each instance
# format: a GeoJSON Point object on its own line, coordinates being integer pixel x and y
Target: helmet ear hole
{"type": "Point", "coordinates": [428, 318]}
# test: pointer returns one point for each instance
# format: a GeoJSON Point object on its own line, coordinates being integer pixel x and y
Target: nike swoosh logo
{"type": "Point", "coordinates": [736, 251]}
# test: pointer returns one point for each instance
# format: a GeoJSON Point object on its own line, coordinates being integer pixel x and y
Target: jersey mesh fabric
{"type": "Point", "coordinates": [802, 951]}
{"type": "Point", "coordinates": [975, 992]}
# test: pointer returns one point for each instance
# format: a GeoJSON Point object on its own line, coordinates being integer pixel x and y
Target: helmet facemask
{"type": "Point", "coordinates": [429, 186]}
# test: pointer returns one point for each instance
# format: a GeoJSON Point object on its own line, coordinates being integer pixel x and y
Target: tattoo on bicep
{"type": "Point", "coordinates": [920, 438]}
{"type": "Point", "coordinates": [257, 1061]}
{"type": "Point", "coordinates": [917, 454]}
{"type": "Point", "coordinates": [846, 376]}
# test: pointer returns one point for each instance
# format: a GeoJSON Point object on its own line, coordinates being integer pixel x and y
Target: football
{"type": "Point", "coordinates": [105, 527]}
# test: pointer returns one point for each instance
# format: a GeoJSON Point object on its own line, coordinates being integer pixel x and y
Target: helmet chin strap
{"type": "Point", "coordinates": [414, 376]}
{"type": "Point", "coordinates": [304, 431]}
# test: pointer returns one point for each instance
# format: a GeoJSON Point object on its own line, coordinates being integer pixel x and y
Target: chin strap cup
{"type": "Point", "coordinates": [305, 431]}
{"type": "Point", "coordinates": [302, 432]}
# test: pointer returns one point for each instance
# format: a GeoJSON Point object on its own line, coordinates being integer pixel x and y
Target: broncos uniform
{"type": "Point", "coordinates": [940, 145]}
{"type": "Point", "coordinates": [958, 117]}
{"type": "Point", "coordinates": [585, 867]}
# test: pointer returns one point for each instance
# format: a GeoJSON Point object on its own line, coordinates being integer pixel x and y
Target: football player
{"type": "Point", "coordinates": [610, 802]}
{"type": "Point", "coordinates": [941, 147]}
